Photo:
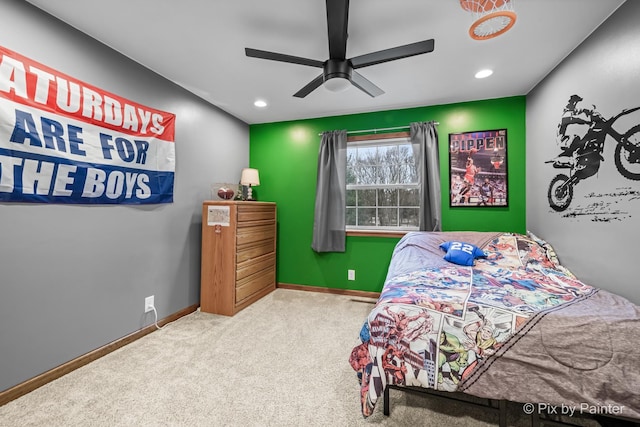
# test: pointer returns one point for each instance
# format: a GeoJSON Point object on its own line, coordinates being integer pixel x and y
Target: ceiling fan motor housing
{"type": "Point", "coordinates": [337, 68]}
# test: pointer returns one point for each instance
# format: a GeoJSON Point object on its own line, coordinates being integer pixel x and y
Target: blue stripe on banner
{"type": "Point", "coordinates": [32, 178]}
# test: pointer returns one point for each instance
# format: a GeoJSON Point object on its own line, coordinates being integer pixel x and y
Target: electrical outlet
{"type": "Point", "coordinates": [351, 274]}
{"type": "Point", "coordinates": [148, 304]}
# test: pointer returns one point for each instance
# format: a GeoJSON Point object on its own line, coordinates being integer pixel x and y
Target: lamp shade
{"type": "Point", "coordinates": [250, 177]}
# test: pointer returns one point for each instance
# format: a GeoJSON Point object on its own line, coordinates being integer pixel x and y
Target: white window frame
{"type": "Point", "coordinates": [382, 140]}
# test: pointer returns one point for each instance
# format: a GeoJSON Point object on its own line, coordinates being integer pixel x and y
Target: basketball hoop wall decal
{"type": "Point", "coordinates": [491, 17]}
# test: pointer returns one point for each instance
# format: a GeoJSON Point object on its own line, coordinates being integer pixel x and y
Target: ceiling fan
{"type": "Point", "coordinates": [338, 70]}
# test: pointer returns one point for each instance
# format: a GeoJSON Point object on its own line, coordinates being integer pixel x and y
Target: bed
{"type": "Point", "coordinates": [515, 325]}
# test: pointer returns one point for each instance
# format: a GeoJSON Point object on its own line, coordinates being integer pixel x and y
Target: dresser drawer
{"type": "Point", "coordinates": [255, 213]}
{"type": "Point", "coordinates": [254, 250]}
{"type": "Point", "coordinates": [246, 235]}
{"type": "Point", "coordinates": [254, 283]}
{"type": "Point", "coordinates": [253, 266]}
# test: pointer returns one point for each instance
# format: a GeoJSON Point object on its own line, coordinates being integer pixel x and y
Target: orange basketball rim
{"type": "Point", "coordinates": [492, 17]}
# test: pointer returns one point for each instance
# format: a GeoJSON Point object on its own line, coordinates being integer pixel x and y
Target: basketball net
{"type": "Point", "coordinates": [491, 17]}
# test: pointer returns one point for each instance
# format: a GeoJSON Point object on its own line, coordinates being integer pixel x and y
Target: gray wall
{"type": "Point", "coordinates": [74, 278]}
{"type": "Point", "coordinates": [597, 236]}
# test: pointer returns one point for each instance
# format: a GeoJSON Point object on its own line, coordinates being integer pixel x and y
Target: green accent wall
{"type": "Point", "coordinates": [286, 155]}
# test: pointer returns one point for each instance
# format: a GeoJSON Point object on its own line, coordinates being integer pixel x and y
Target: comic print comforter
{"type": "Point", "coordinates": [453, 328]}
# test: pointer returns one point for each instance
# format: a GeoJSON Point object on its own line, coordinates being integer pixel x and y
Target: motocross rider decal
{"type": "Point", "coordinates": [582, 133]}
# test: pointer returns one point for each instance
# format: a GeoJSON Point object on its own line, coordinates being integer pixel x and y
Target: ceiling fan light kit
{"type": "Point", "coordinates": [338, 72]}
{"type": "Point", "coordinates": [337, 84]}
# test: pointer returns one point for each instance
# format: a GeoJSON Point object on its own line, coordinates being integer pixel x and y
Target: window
{"type": "Point", "coordinates": [383, 189]}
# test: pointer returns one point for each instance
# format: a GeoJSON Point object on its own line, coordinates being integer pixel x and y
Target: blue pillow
{"type": "Point", "coordinates": [461, 253]}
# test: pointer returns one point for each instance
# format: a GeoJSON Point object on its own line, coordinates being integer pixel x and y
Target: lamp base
{"type": "Point", "coordinates": [250, 194]}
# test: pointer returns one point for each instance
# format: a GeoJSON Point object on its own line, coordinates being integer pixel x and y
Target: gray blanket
{"type": "Point", "coordinates": [582, 357]}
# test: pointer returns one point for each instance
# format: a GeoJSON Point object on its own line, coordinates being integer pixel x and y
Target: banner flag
{"type": "Point", "coordinates": [65, 141]}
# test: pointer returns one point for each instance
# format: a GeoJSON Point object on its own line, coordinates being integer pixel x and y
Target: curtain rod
{"type": "Point", "coordinates": [377, 130]}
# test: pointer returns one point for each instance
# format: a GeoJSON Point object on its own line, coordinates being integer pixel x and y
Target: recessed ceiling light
{"type": "Point", "coordinates": [260, 103]}
{"type": "Point", "coordinates": [483, 73]}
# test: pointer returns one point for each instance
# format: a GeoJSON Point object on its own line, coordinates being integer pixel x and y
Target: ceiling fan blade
{"type": "Point", "coordinates": [359, 81]}
{"type": "Point", "coordinates": [337, 23]}
{"type": "Point", "coordinates": [310, 87]}
{"type": "Point", "coordinates": [394, 53]}
{"type": "Point", "coordinates": [273, 56]}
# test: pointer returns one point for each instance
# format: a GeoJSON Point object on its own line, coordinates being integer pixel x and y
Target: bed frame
{"type": "Point", "coordinates": [500, 406]}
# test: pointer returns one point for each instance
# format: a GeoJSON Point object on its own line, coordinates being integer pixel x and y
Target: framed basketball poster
{"type": "Point", "coordinates": [478, 169]}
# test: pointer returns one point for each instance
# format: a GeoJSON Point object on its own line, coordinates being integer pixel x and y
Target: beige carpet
{"type": "Point", "coordinates": [281, 362]}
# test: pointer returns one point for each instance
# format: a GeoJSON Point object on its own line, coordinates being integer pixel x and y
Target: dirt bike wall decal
{"type": "Point", "coordinates": [582, 153]}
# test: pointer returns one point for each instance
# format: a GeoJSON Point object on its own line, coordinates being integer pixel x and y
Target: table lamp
{"type": "Point", "coordinates": [250, 177]}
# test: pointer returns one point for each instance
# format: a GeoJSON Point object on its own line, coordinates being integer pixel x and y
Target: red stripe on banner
{"type": "Point", "coordinates": [31, 83]}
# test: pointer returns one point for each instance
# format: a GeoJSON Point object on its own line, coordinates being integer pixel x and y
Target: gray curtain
{"type": "Point", "coordinates": [329, 226]}
{"type": "Point", "coordinates": [424, 139]}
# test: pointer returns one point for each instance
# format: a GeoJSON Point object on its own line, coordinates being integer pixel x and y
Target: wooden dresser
{"type": "Point", "coordinates": [238, 254]}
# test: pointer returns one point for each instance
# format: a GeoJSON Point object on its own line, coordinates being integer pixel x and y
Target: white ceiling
{"type": "Point", "coordinates": [199, 44]}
